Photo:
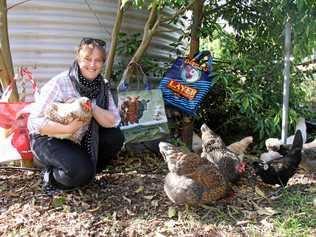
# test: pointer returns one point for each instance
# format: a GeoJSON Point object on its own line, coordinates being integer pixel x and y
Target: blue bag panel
{"type": "Point", "coordinates": [176, 73]}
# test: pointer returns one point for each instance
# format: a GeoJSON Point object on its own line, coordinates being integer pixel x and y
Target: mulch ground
{"type": "Point", "coordinates": [132, 204]}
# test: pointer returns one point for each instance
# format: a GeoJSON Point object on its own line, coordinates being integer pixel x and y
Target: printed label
{"type": "Point", "coordinates": [183, 90]}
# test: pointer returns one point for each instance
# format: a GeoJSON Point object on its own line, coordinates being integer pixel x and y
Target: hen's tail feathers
{"type": "Point", "coordinates": [301, 125]}
{"type": "Point", "coordinates": [297, 144]}
{"type": "Point", "coordinates": [298, 140]}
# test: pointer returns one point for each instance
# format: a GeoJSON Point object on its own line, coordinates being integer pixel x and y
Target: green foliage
{"type": "Point", "coordinates": [247, 39]}
{"type": "Point", "coordinates": [298, 214]}
{"type": "Point", "coordinates": [247, 93]}
{"type": "Point", "coordinates": [58, 201]}
{"type": "Point", "coordinates": [127, 45]}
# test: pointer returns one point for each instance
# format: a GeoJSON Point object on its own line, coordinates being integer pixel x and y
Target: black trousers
{"type": "Point", "coordinates": [70, 165]}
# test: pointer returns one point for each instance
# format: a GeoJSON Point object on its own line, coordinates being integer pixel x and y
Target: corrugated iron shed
{"type": "Point", "coordinates": [43, 33]}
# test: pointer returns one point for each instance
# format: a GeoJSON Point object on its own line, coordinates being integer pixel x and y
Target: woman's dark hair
{"type": "Point", "coordinates": [92, 43]}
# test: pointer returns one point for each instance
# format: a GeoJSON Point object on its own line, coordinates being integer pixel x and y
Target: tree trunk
{"type": "Point", "coordinates": [114, 38]}
{"type": "Point", "coordinates": [6, 67]}
{"type": "Point", "coordinates": [196, 25]}
{"type": "Point", "coordinates": [187, 124]}
{"type": "Point", "coordinates": [150, 28]}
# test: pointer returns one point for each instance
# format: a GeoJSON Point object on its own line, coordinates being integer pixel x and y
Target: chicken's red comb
{"type": "Point", "coordinates": [87, 105]}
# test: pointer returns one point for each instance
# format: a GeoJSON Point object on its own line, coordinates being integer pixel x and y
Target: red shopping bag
{"type": "Point", "coordinates": [15, 142]}
{"type": "Point", "coordinates": [14, 123]}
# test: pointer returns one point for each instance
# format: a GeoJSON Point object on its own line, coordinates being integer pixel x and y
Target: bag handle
{"type": "Point", "coordinates": [209, 62]}
{"type": "Point", "coordinates": [140, 77]}
{"type": "Point", "coordinates": [201, 54]}
{"type": "Point", "coordinates": [24, 72]}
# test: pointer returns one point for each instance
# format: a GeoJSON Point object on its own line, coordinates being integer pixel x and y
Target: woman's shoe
{"type": "Point", "coordinates": [48, 185]}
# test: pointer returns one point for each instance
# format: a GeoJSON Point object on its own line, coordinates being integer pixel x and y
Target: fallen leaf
{"type": "Point", "coordinates": [20, 189]}
{"type": "Point", "coordinates": [58, 201]}
{"type": "Point", "coordinates": [94, 209]}
{"type": "Point", "coordinates": [242, 222]}
{"type": "Point", "coordinates": [159, 235]}
{"type": "Point", "coordinates": [149, 197]}
{"type": "Point", "coordinates": [130, 213]}
{"type": "Point", "coordinates": [36, 184]}
{"type": "Point", "coordinates": [12, 194]}
{"type": "Point", "coordinates": [267, 224]}
{"type": "Point", "coordinates": [260, 192]}
{"type": "Point", "coordinates": [172, 212]}
{"type": "Point", "coordinates": [155, 203]}
{"type": "Point", "coordinates": [85, 205]}
{"type": "Point", "coordinates": [140, 189]}
{"type": "Point", "coordinates": [206, 206]}
{"type": "Point", "coordinates": [128, 200]}
{"type": "Point", "coordinates": [114, 215]}
{"type": "Point", "coordinates": [267, 211]}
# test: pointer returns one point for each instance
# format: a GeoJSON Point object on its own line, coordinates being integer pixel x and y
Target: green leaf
{"type": "Point", "coordinates": [245, 103]}
{"type": "Point", "coordinates": [58, 202]}
{"type": "Point", "coordinates": [172, 212]}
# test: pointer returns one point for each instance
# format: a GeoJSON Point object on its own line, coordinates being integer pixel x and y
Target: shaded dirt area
{"type": "Point", "coordinates": [134, 204]}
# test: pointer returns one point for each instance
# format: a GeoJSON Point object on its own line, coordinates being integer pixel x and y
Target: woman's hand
{"type": "Point", "coordinates": [104, 117]}
{"type": "Point", "coordinates": [74, 126]}
{"type": "Point", "coordinates": [52, 128]}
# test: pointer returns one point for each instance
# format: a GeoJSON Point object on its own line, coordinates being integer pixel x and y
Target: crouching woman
{"type": "Point", "coordinates": [69, 164]}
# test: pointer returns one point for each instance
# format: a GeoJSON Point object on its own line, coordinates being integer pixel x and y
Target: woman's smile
{"type": "Point", "coordinates": [90, 65]}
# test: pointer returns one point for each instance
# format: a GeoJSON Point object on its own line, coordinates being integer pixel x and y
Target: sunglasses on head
{"type": "Point", "coordinates": [98, 42]}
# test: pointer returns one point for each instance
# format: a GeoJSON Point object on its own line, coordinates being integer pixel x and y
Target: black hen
{"type": "Point", "coordinates": [279, 171]}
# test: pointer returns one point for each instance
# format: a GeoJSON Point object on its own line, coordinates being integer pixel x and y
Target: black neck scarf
{"type": "Point", "coordinates": [93, 89]}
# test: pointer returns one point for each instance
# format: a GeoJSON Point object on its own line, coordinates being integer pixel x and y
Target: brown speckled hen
{"type": "Point", "coordinates": [215, 150]}
{"type": "Point", "coordinates": [74, 108]}
{"type": "Point", "coordinates": [191, 179]}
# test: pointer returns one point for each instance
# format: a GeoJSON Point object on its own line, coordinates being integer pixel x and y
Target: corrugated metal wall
{"type": "Point", "coordinates": [44, 33]}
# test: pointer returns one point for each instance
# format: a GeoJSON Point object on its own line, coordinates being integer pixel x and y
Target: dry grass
{"type": "Point", "coordinates": [134, 204]}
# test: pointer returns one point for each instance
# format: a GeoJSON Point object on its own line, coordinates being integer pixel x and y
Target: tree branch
{"type": "Point", "coordinates": [114, 39]}
{"type": "Point", "coordinates": [6, 66]}
{"type": "Point", "coordinates": [179, 12]}
{"type": "Point", "coordinates": [19, 3]}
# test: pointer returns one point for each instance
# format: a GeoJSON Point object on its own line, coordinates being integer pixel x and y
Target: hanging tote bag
{"type": "Point", "coordinates": [14, 135]}
{"type": "Point", "coordinates": [142, 110]}
{"type": "Point", "coordinates": [187, 82]}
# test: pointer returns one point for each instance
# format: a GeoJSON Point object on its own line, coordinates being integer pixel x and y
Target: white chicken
{"type": "Point", "coordinates": [241, 146]}
{"type": "Point", "coordinates": [74, 108]}
{"type": "Point", "coordinates": [65, 112]}
{"type": "Point", "coordinates": [273, 144]}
